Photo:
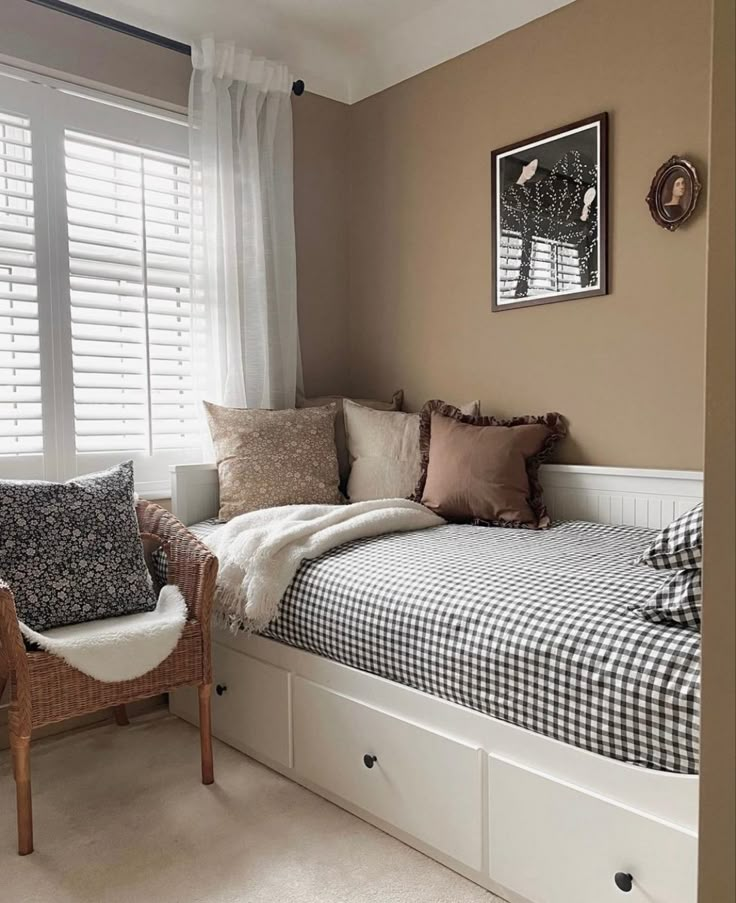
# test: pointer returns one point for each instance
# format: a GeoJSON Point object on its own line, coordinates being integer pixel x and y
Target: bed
{"type": "Point", "coordinates": [532, 628]}
{"type": "Point", "coordinates": [487, 695]}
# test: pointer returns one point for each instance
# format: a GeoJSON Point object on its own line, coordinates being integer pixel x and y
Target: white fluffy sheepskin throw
{"type": "Point", "coordinates": [120, 648]}
{"type": "Point", "coordinates": [260, 552]}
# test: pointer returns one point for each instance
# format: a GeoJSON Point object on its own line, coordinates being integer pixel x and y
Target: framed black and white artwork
{"type": "Point", "coordinates": [549, 203]}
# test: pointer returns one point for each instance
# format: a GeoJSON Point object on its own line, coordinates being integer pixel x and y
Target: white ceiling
{"type": "Point", "coordinates": [344, 49]}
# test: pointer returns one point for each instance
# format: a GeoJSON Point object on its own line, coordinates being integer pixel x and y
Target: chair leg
{"type": "Point", "coordinates": [121, 716]}
{"type": "Point", "coordinates": [21, 747]}
{"type": "Point", "coordinates": [205, 733]}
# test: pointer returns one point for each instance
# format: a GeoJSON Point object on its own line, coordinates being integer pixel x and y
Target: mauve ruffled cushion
{"type": "Point", "coordinates": [484, 470]}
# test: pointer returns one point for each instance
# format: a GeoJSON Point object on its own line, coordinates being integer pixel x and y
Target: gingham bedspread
{"type": "Point", "coordinates": [531, 627]}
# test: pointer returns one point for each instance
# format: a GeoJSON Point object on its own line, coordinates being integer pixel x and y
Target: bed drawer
{"type": "Point", "coordinates": [422, 782]}
{"type": "Point", "coordinates": [553, 843]}
{"type": "Point", "coordinates": [250, 705]}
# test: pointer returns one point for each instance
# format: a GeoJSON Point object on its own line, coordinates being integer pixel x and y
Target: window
{"type": "Point", "coordinates": [95, 350]}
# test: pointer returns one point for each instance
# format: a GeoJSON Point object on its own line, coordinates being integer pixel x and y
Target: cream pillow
{"type": "Point", "coordinates": [342, 451]}
{"type": "Point", "coordinates": [383, 447]}
{"type": "Point", "coordinates": [271, 458]}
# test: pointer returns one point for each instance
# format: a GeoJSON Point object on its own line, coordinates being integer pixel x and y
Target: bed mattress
{"type": "Point", "coordinates": [531, 627]}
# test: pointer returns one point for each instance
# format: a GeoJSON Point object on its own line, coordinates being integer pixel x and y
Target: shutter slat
{"type": "Point", "coordinates": [79, 175]}
{"type": "Point", "coordinates": [12, 258]}
{"type": "Point", "coordinates": [7, 226]}
{"type": "Point", "coordinates": [103, 238]}
{"type": "Point", "coordinates": [168, 231]}
{"type": "Point", "coordinates": [10, 429]}
{"type": "Point", "coordinates": [104, 381]}
{"type": "Point", "coordinates": [81, 163]}
{"type": "Point", "coordinates": [109, 395]}
{"type": "Point", "coordinates": [108, 443]}
{"type": "Point", "coordinates": [98, 143]}
{"type": "Point", "coordinates": [25, 278]}
{"type": "Point", "coordinates": [8, 175]}
{"type": "Point", "coordinates": [125, 411]}
{"type": "Point", "coordinates": [12, 309]}
{"type": "Point", "coordinates": [96, 210]}
{"type": "Point", "coordinates": [17, 394]}
{"type": "Point", "coordinates": [83, 213]}
{"type": "Point", "coordinates": [177, 382]}
{"type": "Point", "coordinates": [18, 160]}
{"type": "Point", "coordinates": [99, 288]}
{"type": "Point", "coordinates": [92, 316]}
{"type": "Point", "coordinates": [20, 410]}
{"type": "Point", "coordinates": [15, 242]}
{"type": "Point", "coordinates": [16, 193]}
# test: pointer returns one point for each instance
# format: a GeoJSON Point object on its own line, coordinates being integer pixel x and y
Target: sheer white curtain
{"type": "Point", "coordinates": [245, 336]}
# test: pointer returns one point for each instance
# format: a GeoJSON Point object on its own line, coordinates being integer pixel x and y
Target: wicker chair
{"type": "Point", "coordinates": [44, 689]}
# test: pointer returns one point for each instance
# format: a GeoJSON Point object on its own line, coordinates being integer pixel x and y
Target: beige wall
{"type": "Point", "coordinates": [61, 42]}
{"type": "Point", "coordinates": [392, 220]}
{"type": "Point", "coordinates": [320, 212]}
{"type": "Point", "coordinates": [718, 765]}
{"type": "Point", "coordinates": [626, 369]}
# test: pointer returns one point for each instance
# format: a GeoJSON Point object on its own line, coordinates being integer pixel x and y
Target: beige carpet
{"type": "Point", "coordinates": [121, 817]}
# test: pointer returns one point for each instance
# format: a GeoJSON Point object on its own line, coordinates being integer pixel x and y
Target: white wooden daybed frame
{"type": "Point", "coordinates": [523, 815]}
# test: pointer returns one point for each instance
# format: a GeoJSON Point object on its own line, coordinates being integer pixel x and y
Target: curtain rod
{"type": "Point", "coordinates": [131, 30]}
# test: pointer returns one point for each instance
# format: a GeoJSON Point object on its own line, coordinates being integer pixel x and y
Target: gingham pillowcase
{"type": "Point", "coordinates": [678, 601]}
{"type": "Point", "coordinates": [678, 546]}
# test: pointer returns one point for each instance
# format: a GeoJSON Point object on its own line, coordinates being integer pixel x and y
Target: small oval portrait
{"type": "Point", "coordinates": [674, 193]}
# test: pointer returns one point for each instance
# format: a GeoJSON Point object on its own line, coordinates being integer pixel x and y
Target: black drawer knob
{"type": "Point", "coordinates": [369, 761]}
{"type": "Point", "coordinates": [220, 689]}
{"type": "Point", "coordinates": [624, 881]}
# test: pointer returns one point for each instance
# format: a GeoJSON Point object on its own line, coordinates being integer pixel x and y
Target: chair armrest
{"type": "Point", "coordinates": [191, 565]}
{"type": "Point", "coordinates": [11, 640]}
{"type": "Point", "coordinates": [13, 660]}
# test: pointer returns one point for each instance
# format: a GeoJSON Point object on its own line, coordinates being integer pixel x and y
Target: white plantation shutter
{"type": "Point", "coordinates": [94, 287]}
{"type": "Point", "coordinates": [128, 226]}
{"type": "Point", "coordinates": [21, 428]}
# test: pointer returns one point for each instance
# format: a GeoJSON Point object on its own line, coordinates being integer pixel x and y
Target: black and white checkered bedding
{"type": "Point", "coordinates": [531, 627]}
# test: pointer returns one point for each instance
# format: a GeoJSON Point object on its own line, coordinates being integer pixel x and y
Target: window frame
{"type": "Point", "coordinates": [53, 109]}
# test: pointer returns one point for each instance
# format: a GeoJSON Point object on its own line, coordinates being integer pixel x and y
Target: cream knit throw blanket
{"type": "Point", "coordinates": [260, 552]}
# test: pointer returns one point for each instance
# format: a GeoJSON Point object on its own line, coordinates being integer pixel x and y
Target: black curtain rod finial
{"type": "Point", "coordinates": [298, 87]}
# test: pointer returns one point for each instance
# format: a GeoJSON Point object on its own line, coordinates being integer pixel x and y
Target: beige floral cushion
{"type": "Point", "coordinates": [270, 458]}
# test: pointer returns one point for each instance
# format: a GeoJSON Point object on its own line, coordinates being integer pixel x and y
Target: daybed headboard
{"type": "Point", "coordinates": [195, 492]}
{"type": "Point", "coordinates": [620, 495]}
{"type": "Point", "coordinates": [608, 495]}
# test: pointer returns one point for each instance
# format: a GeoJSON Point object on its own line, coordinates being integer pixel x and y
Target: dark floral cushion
{"type": "Point", "coordinates": [71, 552]}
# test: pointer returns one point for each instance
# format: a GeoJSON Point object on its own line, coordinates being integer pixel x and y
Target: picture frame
{"type": "Point", "coordinates": [674, 192]}
{"type": "Point", "coordinates": [549, 223]}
